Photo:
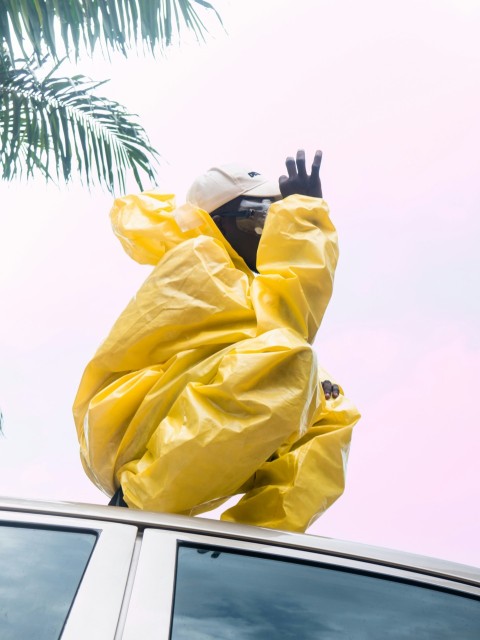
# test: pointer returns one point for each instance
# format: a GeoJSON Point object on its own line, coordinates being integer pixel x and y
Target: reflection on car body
{"type": "Point", "coordinates": [84, 571]}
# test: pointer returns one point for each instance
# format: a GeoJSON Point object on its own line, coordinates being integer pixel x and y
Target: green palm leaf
{"type": "Point", "coordinates": [112, 24]}
{"type": "Point", "coordinates": [52, 125]}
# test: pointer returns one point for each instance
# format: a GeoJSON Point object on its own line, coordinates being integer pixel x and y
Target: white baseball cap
{"type": "Point", "coordinates": [219, 185]}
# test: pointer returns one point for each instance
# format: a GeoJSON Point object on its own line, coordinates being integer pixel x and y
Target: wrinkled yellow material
{"type": "Point", "coordinates": [207, 385]}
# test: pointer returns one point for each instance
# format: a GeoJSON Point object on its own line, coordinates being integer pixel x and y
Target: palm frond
{"type": "Point", "coordinates": [64, 27]}
{"type": "Point", "coordinates": [55, 125]}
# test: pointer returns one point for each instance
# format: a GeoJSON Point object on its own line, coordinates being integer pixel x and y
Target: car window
{"type": "Point", "coordinates": [224, 594]}
{"type": "Point", "coordinates": [40, 572]}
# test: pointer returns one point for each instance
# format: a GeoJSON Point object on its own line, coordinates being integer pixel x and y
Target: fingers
{"type": "Point", "coordinates": [298, 167]}
{"type": "Point", "coordinates": [315, 184]}
{"type": "Point", "coordinates": [302, 172]}
{"type": "Point", "coordinates": [298, 180]}
{"type": "Point", "coordinates": [330, 390]}
{"type": "Point", "coordinates": [283, 184]}
{"type": "Point", "coordinates": [317, 161]}
{"type": "Point", "coordinates": [327, 389]}
{"type": "Point", "coordinates": [291, 167]}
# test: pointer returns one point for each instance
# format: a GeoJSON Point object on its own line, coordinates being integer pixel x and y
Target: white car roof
{"type": "Point", "coordinates": [165, 521]}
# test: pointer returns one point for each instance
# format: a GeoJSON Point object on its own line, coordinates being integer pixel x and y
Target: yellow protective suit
{"type": "Point", "coordinates": [207, 385]}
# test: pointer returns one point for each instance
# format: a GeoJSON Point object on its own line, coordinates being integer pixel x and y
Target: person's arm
{"type": "Point", "coordinates": [297, 255]}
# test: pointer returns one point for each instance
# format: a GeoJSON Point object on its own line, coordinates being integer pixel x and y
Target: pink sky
{"type": "Point", "coordinates": [390, 92]}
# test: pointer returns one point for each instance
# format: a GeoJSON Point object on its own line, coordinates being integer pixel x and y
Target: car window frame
{"type": "Point", "coordinates": [152, 598]}
{"type": "Point", "coordinates": [96, 608]}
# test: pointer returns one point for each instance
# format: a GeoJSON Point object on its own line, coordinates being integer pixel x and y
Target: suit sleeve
{"type": "Point", "coordinates": [296, 262]}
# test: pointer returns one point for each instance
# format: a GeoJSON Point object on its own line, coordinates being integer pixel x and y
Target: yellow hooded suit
{"type": "Point", "coordinates": [207, 385]}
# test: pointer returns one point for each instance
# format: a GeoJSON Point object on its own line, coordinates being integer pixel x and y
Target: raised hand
{"type": "Point", "coordinates": [298, 180]}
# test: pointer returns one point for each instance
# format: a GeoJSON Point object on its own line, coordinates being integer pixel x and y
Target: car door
{"type": "Point", "coordinates": [191, 586]}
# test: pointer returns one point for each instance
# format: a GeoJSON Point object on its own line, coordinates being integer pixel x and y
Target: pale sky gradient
{"type": "Point", "coordinates": [390, 92]}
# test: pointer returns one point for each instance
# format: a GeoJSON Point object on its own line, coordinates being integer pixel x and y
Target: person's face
{"type": "Point", "coordinates": [245, 242]}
